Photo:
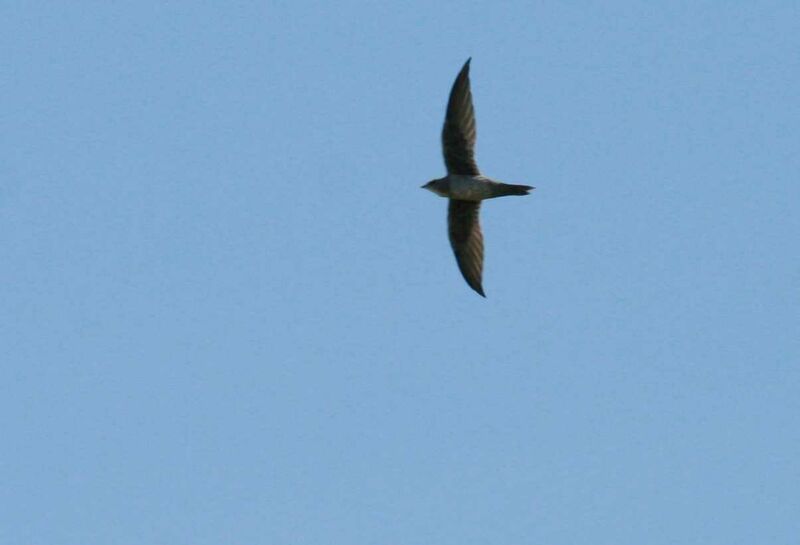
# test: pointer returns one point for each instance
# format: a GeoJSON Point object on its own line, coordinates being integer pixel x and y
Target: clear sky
{"type": "Point", "coordinates": [231, 315]}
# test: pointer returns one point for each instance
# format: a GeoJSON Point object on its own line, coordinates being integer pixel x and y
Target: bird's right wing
{"type": "Point", "coordinates": [467, 240]}
{"type": "Point", "coordinates": [459, 133]}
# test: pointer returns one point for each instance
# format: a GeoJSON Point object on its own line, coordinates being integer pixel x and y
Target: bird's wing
{"type": "Point", "coordinates": [467, 240]}
{"type": "Point", "coordinates": [458, 133]}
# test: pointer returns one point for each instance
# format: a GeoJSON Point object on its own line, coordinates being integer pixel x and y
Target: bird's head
{"type": "Point", "coordinates": [437, 186]}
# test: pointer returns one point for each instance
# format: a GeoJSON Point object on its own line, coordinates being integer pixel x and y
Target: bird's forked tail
{"type": "Point", "coordinates": [512, 189]}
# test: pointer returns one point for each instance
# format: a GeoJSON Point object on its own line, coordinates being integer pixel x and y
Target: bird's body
{"type": "Point", "coordinates": [474, 188]}
{"type": "Point", "coordinates": [464, 185]}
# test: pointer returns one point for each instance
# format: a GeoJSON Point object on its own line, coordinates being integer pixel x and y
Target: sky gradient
{"type": "Point", "coordinates": [231, 315]}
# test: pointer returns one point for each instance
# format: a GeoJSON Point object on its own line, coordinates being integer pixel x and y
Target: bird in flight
{"type": "Point", "coordinates": [464, 185]}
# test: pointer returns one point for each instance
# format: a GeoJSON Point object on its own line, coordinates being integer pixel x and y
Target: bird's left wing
{"type": "Point", "coordinates": [459, 132]}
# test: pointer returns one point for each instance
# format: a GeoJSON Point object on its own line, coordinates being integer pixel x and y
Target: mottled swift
{"type": "Point", "coordinates": [464, 185]}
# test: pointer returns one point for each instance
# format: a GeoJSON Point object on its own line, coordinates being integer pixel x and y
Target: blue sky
{"type": "Point", "coordinates": [230, 315]}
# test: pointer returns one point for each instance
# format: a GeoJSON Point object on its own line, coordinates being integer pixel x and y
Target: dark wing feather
{"type": "Point", "coordinates": [458, 133]}
{"type": "Point", "coordinates": [467, 240]}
